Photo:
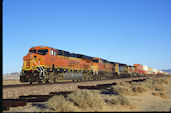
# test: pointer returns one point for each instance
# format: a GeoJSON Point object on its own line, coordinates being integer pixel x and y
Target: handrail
{"type": "Point", "coordinates": [41, 68]}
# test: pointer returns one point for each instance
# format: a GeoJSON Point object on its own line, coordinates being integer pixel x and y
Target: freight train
{"type": "Point", "coordinates": [44, 64]}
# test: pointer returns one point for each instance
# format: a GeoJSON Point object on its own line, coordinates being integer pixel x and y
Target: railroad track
{"type": "Point", "coordinates": [68, 82]}
{"type": "Point", "coordinates": [22, 100]}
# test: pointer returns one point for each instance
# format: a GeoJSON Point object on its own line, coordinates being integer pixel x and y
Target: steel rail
{"type": "Point", "coordinates": [71, 82]}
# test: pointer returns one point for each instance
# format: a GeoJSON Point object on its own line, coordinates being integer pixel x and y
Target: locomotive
{"type": "Point", "coordinates": [44, 64]}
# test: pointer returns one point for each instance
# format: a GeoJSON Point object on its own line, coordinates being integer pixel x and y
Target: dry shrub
{"type": "Point", "coordinates": [155, 83]}
{"type": "Point", "coordinates": [133, 88]}
{"type": "Point", "coordinates": [148, 85]}
{"type": "Point", "coordinates": [122, 90]}
{"type": "Point", "coordinates": [126, 84]}
{"type": "Point", "coordinates": [129, 89]}
{"type": "Point", "coordinates": [149, 80]}
{"type": "Point", "coordinates": [159, 87]}
{"type": "Point", "coordinates": [139, 89]}
{"type": "Point", "coordinates": [87, 99]}
{"type": "Point", "coordinates": [60, 104]}
{"type": "Point", "coordinates": [123, 100]}
{"type": "Point", "coordinates": [161, 81]}
{"type": "Point", "coordinates": [134, 84]}
{"type": "Point", "coordinates": [160, 94]}
{"type": "Point", "coordinates": [119, 100]}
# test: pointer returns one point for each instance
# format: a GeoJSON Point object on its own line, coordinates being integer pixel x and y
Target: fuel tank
{"type": "Point", "coordinates": [73, 76]}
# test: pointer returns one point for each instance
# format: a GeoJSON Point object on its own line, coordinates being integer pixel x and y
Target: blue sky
{"type": "Point", "coordinates": [126, 31]}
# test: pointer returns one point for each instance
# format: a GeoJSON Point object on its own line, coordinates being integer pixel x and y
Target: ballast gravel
{"type": "Point", "coordinates": [15, 92]}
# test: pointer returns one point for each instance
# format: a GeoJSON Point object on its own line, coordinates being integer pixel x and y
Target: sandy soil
{"type": "Point", "coordinates": [9, 79]}
{"type": "Point", "coordinates": [149, 102]}
{"type": "Point", "coordinates": [11, 82]}
{"type": "Point", "coordinates": [146, 102]}
{"type": "Point", "coordinates": [15, 82]}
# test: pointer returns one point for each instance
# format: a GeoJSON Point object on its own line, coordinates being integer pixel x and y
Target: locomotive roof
{"type": "Point", "coordinates": [84, 56]}
{"type": "Point", "coordinates": [121, 64]}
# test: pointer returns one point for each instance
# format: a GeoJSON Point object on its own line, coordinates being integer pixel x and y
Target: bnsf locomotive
{"type": "Point", "coordinates": [45, 64]}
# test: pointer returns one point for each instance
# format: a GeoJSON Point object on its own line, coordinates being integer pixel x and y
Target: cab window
{"type": "Point", "coordinates": [66, 53]}
{"type": "Point", "coordinates": [32, 51]}
{"type": "Point", "coordinates": [73, 55]}
{"type": "Point", "coordinates": [60, 52]}
{"type": "Point", "coordinates": [43, 51]}
{"type": "Point", "coordinates": [95, 61]}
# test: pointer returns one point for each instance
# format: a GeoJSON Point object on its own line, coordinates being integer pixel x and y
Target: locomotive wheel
{"type": "Point", "coordinates": [47, 81]}
{"type": "Point", "coordinates": [31, 80]}
{"type": "Point", "coordinates": [39, 81]}
{"type": "Point", "coordinates": [55, 80]}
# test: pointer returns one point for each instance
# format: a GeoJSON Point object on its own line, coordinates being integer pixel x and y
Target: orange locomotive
{"type": "Point", "coordinates": [45, 64]}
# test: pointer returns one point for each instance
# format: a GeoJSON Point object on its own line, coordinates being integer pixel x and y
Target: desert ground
{"type": "Point", "coordinates": [9, 79]}
{"type": "Point", "coordinates": [13, 79]}
{"type": "Point", "coordinates": [149, 95]}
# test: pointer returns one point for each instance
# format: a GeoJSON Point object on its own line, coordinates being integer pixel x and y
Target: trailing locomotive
{"type": "Point", "coordinates": [45, 64]}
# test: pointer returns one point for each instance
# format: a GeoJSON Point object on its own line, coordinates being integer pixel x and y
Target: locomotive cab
{"type": "Point", "coordinates": [33, 63]}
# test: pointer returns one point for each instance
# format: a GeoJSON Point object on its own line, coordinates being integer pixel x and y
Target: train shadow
{"type": "Point", "coordinates": [23, 100]}
{"type": "Point", "coordinates": [140, 80]}
{"type": "Point", "coordinates": [97, 87]}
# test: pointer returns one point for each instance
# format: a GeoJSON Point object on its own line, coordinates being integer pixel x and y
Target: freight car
{"type": "Point", "coordinates": [45, 64]}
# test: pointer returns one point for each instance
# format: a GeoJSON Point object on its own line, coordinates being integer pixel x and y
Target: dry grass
{"type": "Point", "coordinates": [119, 100]}
{"type": "Point", "coordinates": [60, 104]}
{"type": "Point", "coordinates": [159, 87]}
{"type": "Point", "coordinates": [129, 89]}
{"type": "Point", "coordinates": [157, 84]}
{"type": "Point", "coordinates": [81, 100]}
{"type": "Point", "coordinates": [148, 85]}
{"type": "Point", "coordinates": [161, 81]}
{"type": "Point", "coordinates": [121, 90]}
{"type": "Point", "coordinates": [139, 89]}
{"type": "Point", "coordinates": [160, 94]}
{"type": "Point", "coordinates": [133, 88]}
{"type": "Point", "coordinates": [125, 84]}
{"type": "Point", "coordinates": [86, 99]}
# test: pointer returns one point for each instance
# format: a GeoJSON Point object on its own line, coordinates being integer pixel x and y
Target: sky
{"type": "Point", "coordinates": [125, 31]}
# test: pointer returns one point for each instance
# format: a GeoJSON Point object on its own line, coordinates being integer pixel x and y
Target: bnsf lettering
{"type": "Point", "coordinates": [73, 63]}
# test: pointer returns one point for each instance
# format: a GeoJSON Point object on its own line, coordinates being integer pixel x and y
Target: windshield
{"type": "Point", "coordinates": [43, 51]}
{"type": "Point", "coordinates": [32, 51]}
{"type": "Point", "coordinates": [95, 61]}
